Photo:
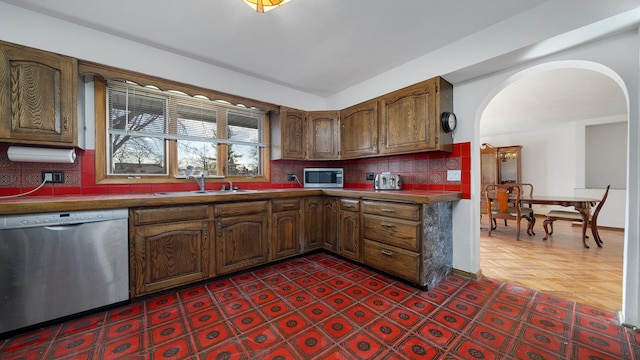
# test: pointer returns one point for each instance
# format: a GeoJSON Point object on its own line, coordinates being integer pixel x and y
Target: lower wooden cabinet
{"type": "Point", "coordinates": [242, 235]}
{"type": "Point", "coordinates": [350, 229]}
{"type": "Point", "coordinates": [320, 223]}
{"type": "Point", "coordinates": [285, 228]}
{"type": "Point", "coordinates": [169, 247]}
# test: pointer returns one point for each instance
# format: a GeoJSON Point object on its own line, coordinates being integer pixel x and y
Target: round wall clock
{"type": "Point", "coordinates": [449, 122]}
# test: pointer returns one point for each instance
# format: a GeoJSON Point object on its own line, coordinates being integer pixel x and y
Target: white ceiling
{"type": "Point", "coordinates": [324, 47]}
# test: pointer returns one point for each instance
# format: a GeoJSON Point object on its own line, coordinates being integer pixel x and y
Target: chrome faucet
{"type": "Point", "coordinates": [198, 180]}
{"type": "Point", "coordinates": [224, 187]}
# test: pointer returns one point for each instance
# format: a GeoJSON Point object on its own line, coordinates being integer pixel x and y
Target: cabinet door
{"type": "Point", "coordinates": [292, 136]}
{"type": "Point", "coordinates": [408, 121]}
{"type": "Point", "coordinates": [314, 229]}
{"type": "Point", "coordinates": [241, 242]}
{"type": "Point", "coordinates": [168, 255]}
{"type": "Point", "coordinates": [350, 235]}
{"type": "Point", "coordinates": [285, 235]}
{"type": "Point", "coordinates": [323, 135]}
{"type": "Point", "coordinates": [37, 96]}
{"type": "Point", "coordinates": [359, 130]}
{"type": "Point", "coordinates": [330, 224]}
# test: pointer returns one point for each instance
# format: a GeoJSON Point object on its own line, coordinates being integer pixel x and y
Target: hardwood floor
{"type": "Point", "coordinates": [558, 266]}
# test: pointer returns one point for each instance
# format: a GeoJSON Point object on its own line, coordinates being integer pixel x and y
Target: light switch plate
{"type": "Point", "coordinates": [454, 175]}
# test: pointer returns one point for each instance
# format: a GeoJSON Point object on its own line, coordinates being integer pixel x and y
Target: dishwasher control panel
{"type": "Point", "coordinates": [61, 218]}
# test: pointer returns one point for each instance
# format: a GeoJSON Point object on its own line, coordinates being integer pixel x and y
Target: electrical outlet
{"type": "Point", "coordinates": [53, 176]}
{"type": "Point", "coordinates": [369, 176]}
{"type": "Point", "coordinates": [291, 177]}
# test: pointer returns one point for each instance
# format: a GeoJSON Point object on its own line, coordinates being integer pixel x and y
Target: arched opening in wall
{"type": "Point", "coordinates": [570, 120]}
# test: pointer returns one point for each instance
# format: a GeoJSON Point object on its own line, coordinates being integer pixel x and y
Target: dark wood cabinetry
{"type": "Point", "coordinates": [285, 228]}
{"type": "Point", "coordinates": [410, 118]}
{"type": "Point", "coordinates": [242, 235]}
{"type": "Point", "coordinates": [323, 135]}
{"type": "Point", "coordinates": [37, 96]}
{"type": "Point", "coordinates": [169, 247]}
{"type": "Point", "coordinates": [289, 134]}
{"type": "Point", "coordinates": [350, 229]}
{"type": "Point", "coordinates": [321, 223]}
{"type": "Point", "coordinates": [359, 130]}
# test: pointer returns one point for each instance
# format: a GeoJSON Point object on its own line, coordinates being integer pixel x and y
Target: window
{"type": "Point", "coordinates": [158, 134]}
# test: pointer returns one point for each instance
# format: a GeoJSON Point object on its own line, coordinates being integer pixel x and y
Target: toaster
{"type": "Point", "coordinates": [387, 181]}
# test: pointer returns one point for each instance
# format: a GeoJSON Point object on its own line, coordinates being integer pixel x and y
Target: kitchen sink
{"type": "Point", "coordinates": [205, 192]}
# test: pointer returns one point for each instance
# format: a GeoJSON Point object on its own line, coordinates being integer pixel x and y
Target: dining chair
{"type": "Point", "coordinates": [568, 215]}
{"type": "Point", "coordinates": [503, 202]}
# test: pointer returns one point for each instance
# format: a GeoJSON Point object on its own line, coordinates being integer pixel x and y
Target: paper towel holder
{"type": "Point", "coordinates": [43, 155]}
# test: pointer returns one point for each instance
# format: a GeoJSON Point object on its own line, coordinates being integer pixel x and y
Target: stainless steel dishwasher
{"type": "Point", "coordinates": [58, 264]}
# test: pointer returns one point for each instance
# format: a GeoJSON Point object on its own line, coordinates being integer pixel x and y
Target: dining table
{"type": "Point", "coordinates": [581, 204]}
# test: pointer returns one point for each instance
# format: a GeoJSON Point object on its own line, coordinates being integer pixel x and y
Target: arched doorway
{"type": "Point", "coordinates": [547, 109]}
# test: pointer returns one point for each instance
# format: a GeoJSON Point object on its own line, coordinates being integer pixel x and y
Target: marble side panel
{"type": "Point", "coordinates": [438, 242]}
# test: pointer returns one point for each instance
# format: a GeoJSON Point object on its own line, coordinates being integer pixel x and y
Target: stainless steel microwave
{"type": "Point", "coordinates": [323, 177]}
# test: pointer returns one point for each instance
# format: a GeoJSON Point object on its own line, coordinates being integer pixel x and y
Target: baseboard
{"type": "Point", "coordinates": [468, 275]}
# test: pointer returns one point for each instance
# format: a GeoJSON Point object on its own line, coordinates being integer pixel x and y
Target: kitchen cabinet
{"type": "Point", "coordinates": [285, 228]}
{"type": "Point", "coordinates": [323, 135]}
{"type": "Point", "coordinates": [350, 229]}
{"type": "Point", "coordinates": [289, 135]}
{"type": "Point", "coordinates": [37, 96]}
{"type": "Point", "coordinates": [321, 223]}
{"type": "Point", "coordinates": [242, 235]}
{"type": "Point", "coordinates": [169, 247]}
{"type": "Point", "coordinates": [359, 130]}
{"type": "Point", "coordinates": [498, 165]}
{"type": "Point", "coordinates": [392, 235]}
{"type": "Point", "coordinates": [410, 118]}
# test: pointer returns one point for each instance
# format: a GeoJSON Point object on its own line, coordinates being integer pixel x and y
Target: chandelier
{"type": "Point", "coordinates": [265, 5]}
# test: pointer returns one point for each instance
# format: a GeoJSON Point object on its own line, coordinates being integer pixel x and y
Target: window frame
{"type": "Point", "coordinates": [102, 141]}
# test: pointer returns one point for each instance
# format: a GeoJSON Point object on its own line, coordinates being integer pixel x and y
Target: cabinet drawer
{"type": "Point", "coordinates": [285, 204]}
{"type": "Point", "coordinates": [239, 208]}
{"type": "Point", "coordinates": [350, 204]}
{"type": "Point", "coordinates": [168, 214]}
{"type": "Point", "coordinates": [396, 232]}
{"type": "Point", "coordinates": [396, 210]}
{"type": "Point", "coordinates": [390, 259]}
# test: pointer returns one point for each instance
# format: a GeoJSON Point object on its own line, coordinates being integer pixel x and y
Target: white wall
{"type": "Point", "coordinates": [553, 161]}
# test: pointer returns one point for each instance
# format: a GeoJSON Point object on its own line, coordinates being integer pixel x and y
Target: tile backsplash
{"type": "Point", "coordinates": [421, 171]}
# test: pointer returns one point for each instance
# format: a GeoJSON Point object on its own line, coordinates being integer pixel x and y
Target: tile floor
{"type": "Point", "coordinates": [322, 307]}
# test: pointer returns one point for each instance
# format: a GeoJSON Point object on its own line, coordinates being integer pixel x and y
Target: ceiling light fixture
{"type": "Point", "coordinates": [265, 5]}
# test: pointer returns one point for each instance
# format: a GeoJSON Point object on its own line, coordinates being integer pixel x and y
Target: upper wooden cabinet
{"type": "Point", "coordinates": [289, 135]}
{"type": "Point", "coordinates": [359, 130]}
{"type": "Point", "coordinates": [410, 118]}
{"type": "Point", "coordinates": [323, 135]}
{"type": "Point", "coordinates": [37, 96]}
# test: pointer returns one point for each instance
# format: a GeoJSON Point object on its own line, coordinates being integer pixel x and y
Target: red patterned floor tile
{"type": "Point", "coordinates": [338, 301]}
{"type": "Point", "coordinates": [123, 349]}
{"type": "Point", "coordinates": [386, 331]}
{"type": "Point", "coordinates": [394, 294]}
{"type": "Point", "coordinates": [32, 339]}
{"type": "Point", "coordinates": [579, 351]}
{"type": "Point", "coordinates": [321, 290]}
{"type": "Point", "coordinates": [552, 311]}
{"type": "Point", "coordinates": [364, 345]}
{"type": "Point", "coordinates": [33, 353]}
{"type": "Point", "coordinates": [286, 288]}
{"type": "Point", "coordinates": [469, 349]}
{"type": "Point", "coordinates": [213, 335]}
{"type": "Point", "coordinates": [260, 339]}
{"type": "Point", "coordinates": [193, 293]}
{"type": "Point", "coordinates": [337, 328]}
{"type": "Point", "coordinates": [499, 322]}
{"type": "Point", "coordinates": [124, 328]}
{"type": "Point", "coordinates": [549, 324]}
{"type": "Point", "coordinates": [275, 309]}
{"type": "Point", "coordinates": [306, 281]}
{"type": "Point", "coordinates": [161, 302]}
{"type": "Point", "coordinates": [419, 305]}
{"type": "Point", "coordinates": [554, 300]}
{"type": "Point", "coordinates": [229, 350]}
{"type": "Point", "coordinates": [247, 321]}
{"type": "Point", "coordinates": [300, 299]}
{"type": "Point", "coordinates": [505, 309]}
{"type": "Point", "coordinates": [82, 324]}
{"type": "Point", "coordinates": [373, 284]}
{"type": "Point", "coordinates": [544, 340]}
{"type": "Point", "coordinates": [446, 288]}
{"type": "Point", "coordinates": [292, 324]}
{"type": "Point", "coordinates": [228, 294]}
{"type": "Point", "coordinates": [311, 342]}
{"type": "Point", "coordinates": [276, 279]}
{"type": "Point", "coordinates": [433, 296]}
{"type": "Point", "coordinates": [74, 344]}
{"type": "Point", "coordinates": [416, 348]}
{"type": "Point", "coordinates": [174, 349]}
{"type": "Point", "coordinates": [125, 312]}
{"type": "Point", "coordinates": [220, 285]}
{"type": "Point", "coordinates": [472, 297]}
{"type": "Point", "coordinates": [518, 290]}
{"type": "Point", "coordinates": [280, 352]}
{"type": "Point", "coordinates": [199, 304]}
{"type": "Point", "coordinates": [377, 303]}
{"type": "Point", "coordinates": [264, 272]}
{"type": "Point", "coordinates": [490, 337]}
{"type": "Point", "coordinates": [165, 315]}
{"type": "Point", "coordinates": [360, 314]}
{"type": "Point", "coordinates": [595, 312]}
{"type": "Point", "coordinates": [82, 355]}
{"type": "Point", "coordinates": [263, 297]}
{"type": "Point", "coordinates": [235, 307]}
{"type": "Point", "coordinates": [597, 340]}
{"type": "Point", "coordinates": [166, 332]}
{"type": "Point", "coordinates": [356, 276]}
{"type": "Point", "coordinates": [524, 350]}
{"type": "Point", "coordinates": [437, 334]}
{"type": "Point", "coordinates": [513, 299]}
{"type": "Point", "coordinates": [357, 292]}
{"type": "Point", "coordinates": [480, 288]}
{"type": "Point", "coordinates": [404, 317]}
{"type": "Point", "coordinates": [243, 278]}
{"type": "Point", "coordinates": [294, 273]}
{"type": "Point", "coordinates": [251, 287]}
{"type": "Point", "coordinates": [204, 318]}
{"type": "Point", "coordinates": [317, 312]}
{"type": "Point", "coordinates": [450, 319]}
{"type": "Point", "coordinates": [463, 308]}
{"type": "Point", "coordinates": [339, 283]}
{"type": "Point", "coordinates": [323, 275]}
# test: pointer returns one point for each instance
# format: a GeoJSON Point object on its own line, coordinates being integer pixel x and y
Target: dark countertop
{"type": "Point", "coordinates": [39, 204]}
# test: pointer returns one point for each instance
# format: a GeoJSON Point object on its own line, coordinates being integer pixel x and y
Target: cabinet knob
{"type": "Point", "coordinates": [65, 122]}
